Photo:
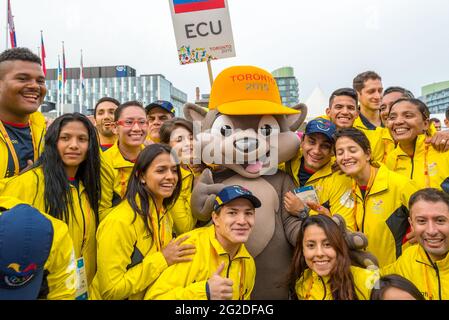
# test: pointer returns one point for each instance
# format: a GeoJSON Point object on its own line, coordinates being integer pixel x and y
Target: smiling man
{"type": "Point", "coordinates": [104, 121]}
{"type": "Point", "coordinates": [222, 268]}
{"type": "Point", "coordinates": [22, 127]}
{"type": "Point", "coordinates": [313, 166]}
{"type": "Point", "coordinates": [427, 264]}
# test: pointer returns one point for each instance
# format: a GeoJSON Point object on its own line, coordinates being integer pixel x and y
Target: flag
{"type": "Point", "coordinates": [12, 28]}
{"type": "Point", "coordinates": [43, 55]}
{"type": "Point", "coordinates": [59, 74]}
{"type": "Point", "coordinates": [182, 6]}
{"type": "Point", "coordinates": [64, 70]}
{"type": "Point", "coordinates": [82, 71]}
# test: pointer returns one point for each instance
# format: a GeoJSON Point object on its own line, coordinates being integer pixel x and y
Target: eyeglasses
{"type": "Point", "coordinates": [128, 123]}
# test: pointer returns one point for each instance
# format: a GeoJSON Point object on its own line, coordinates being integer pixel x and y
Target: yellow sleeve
{"type": "Point", "coordinates": [115, 241]}
{"type": "Point", "coordinates": [107, 178]}
{"type": "Point", "coordinates": [25, 192]}
{"type": "Point", "coordinates": [171, 285]}
{"type": "Point", "coordinates": [250, 281]}
{"type": "Point", "coordinates": [60, 265]}
{"type": "Point", "coordinates": [183, 220]}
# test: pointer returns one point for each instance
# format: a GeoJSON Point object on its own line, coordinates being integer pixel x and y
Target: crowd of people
{"type": "Point", "coordinates": [101, 209]}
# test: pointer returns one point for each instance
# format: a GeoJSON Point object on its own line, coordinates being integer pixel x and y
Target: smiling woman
{"type": "Point", "coordinates": [143, 227]}
{"type": "Point", "coordinates": [321, 266]}
{"type": "Point", "coordinates": [65, 183]}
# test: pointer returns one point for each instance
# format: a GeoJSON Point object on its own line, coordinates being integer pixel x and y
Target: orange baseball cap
{"type": "Point", "coordinates": [247, 90]}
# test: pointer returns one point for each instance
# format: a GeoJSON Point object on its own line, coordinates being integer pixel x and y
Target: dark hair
{"type": "Point", "coordinates": [341, 278]}
{"type": "Point", "coordinates": [434, 120]}
{"type": "Point", "coordinates": [429, 195]}
{"type": "Point", "coordinates": [22, 54]}
{"type": "Point", "coordinates": [170, 125]}
{"type": "Point", "coordinates": [447, 114]}
{"type": "Point", "coordinates": [356, 135]}
{"type": "Point", "coordinates": [405, 93]}
{"type": "Point", "coordinates": [344, 92]}
{"type": "Point", "coordinates": [57, 193]}
{"type": "Point", "coordinates": [422, 107]}
{"type": "Point", "coordinates": [105, 99]}
{"type": "Point", "coordinates": [359, 81]}
{"type": "Point", "coordinates": [394, 281]}
{"type": "Point", "coordinates": [136, 188]}
{"type": "Point", "coordinates": [122, 107]}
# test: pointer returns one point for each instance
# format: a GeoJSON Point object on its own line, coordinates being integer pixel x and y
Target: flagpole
{"type": "Point", "coordinates": [58, 98]}
{"type": "Point", "coordinates": [7, 24]}
{"type": "Point", "coordinates": [81, 82]}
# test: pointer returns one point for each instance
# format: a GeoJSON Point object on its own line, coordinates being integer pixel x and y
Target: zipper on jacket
{"type": "Point", "coordinates": [437, 271]}
{"type": "Point", "coordinates": [325, 289]}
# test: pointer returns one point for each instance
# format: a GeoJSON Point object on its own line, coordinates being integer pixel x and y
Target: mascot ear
{"type": "Point", "coordinates": [294, 121]}
{"type": "Point", "coordinates": [193, 113]}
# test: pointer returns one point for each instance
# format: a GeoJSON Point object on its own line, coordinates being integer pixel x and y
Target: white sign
{"type": "Point", "coordinates": [202, 29]}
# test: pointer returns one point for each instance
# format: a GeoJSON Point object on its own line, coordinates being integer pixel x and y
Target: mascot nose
{"type": "Point", "coordinates": [246, 144]}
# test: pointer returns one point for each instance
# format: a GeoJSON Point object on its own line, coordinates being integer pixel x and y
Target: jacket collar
{"type": "Point", "coordinates": [424, 258]}
{"type": "Point", "coordinates": [419, 147]}
{"type": "Point", "coordinates": [323, 172]}
{"type": "Point", "coordinates": [117, 159]}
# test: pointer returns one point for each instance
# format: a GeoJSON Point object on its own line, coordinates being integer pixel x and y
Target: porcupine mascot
{"type": "Point", "coordinates": [248, 132]}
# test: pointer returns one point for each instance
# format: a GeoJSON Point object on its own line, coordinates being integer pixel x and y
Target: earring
{"type": "Point", "coordinates": [143, 182]}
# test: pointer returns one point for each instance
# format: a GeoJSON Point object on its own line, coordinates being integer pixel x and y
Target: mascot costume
{"type": "Point", "coordinates": [248, 133]}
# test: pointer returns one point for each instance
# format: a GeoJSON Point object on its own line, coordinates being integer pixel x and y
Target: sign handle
{"type": "Point", "coordinates": [211, 76]}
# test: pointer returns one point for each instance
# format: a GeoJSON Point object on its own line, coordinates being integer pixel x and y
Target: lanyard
{"type": "Point", "coordinates": [123, 181]}
{"type": "Point", "coordinates": [354, 193]}
{"type": "Point", "coordinates": [426, 165]}
{"type": "Point", "coordinates": [12, 150]}
{"type": "Point", "coordinates": [156, 230]}
{"type": "Point", "coordinates": [242, 274]}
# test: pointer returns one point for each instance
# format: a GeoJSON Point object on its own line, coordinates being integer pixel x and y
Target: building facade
{"type": "Point", "coordinates": [288, 86]}
{"type": "Point", "coordinates": [119, 82]}
{"type": "Point", "coordinates": [436, 96]}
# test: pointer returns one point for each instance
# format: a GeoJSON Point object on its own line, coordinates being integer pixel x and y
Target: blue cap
{"type": "Point", "coordinates": [26, 237]}
{"type": "Point", "coordinates": [231, 193]}
{"type": "Point", "coordinates": [167, 106]}
{"type": "Point", "coordinates": [323, 126]}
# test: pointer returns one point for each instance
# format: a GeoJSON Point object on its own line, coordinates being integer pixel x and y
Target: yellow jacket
{"type": "Point", "coordinates": [428, 168]}
{"type": "Point", "coordinates": [313, 287]}
{"type": "Point", "coordinates": [122, 170]}
{"type": "Point", "coordinates": [383, 215]}
{"type": "Point", "coordinates": [129, 258]}
{"type": "Point", "coordinates": [431, 278]}
{"type": "Point", "coordinates": [29, 188]}
{"type": "Point", "coordinates": [60, 269]}
{"type": "Point", "coordinates": [183, 220]}
{"type": "Point", "coordinates": [332, 187]}
{"type": "Point", "coordinates": [187, 281]}
{"type": "Point", "coordinates": [38, 128]}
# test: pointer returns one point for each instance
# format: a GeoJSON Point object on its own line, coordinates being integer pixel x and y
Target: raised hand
{"type": "Point", "coordinates": [203, 196]}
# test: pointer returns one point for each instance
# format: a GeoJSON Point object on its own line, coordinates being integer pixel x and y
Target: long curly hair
{"type": "Point", "coordinates": [57, 194]}
{"type": "Point", "coordinates": [341, 278]}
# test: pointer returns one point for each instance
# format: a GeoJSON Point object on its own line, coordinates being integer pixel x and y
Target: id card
{"type": "Point", "coordinates": [307, 194]}
{"type": "Point", "coordinates": [81, 288]}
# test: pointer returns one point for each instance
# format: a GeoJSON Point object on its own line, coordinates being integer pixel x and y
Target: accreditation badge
{"type": "Point", "coordinates": [81, 288]}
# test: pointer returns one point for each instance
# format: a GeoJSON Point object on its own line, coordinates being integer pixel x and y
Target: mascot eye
{"type": "Point", "coordinates": [266, 130]}
{"type": "Point", "coordinates": [268, 126]}
{"type": "Point", "coordinates": [222, 127]}
{"type": "Point", "coordinates": [226, 131]}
